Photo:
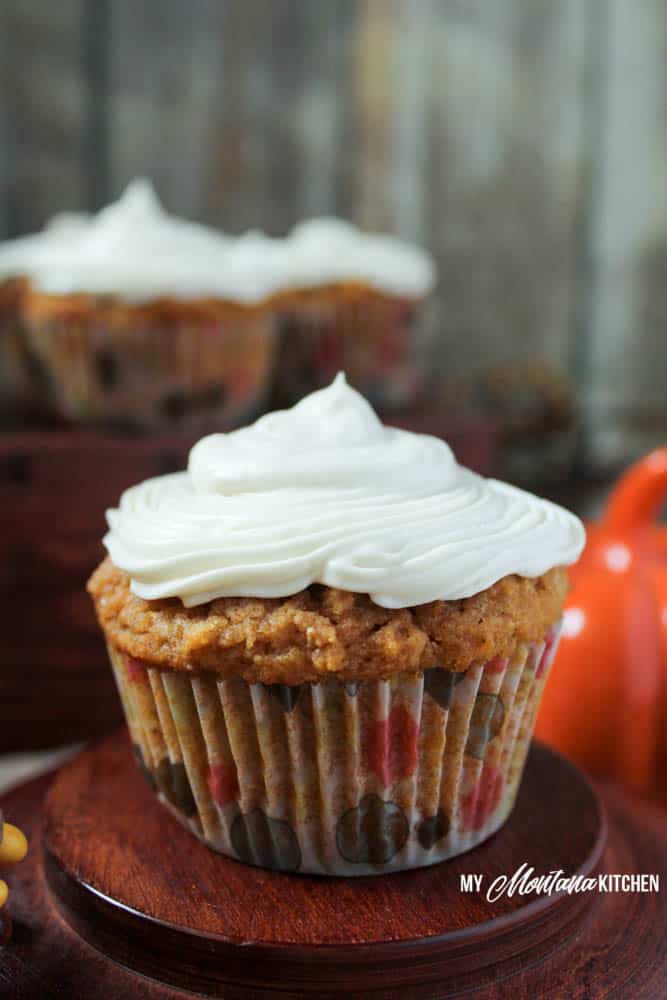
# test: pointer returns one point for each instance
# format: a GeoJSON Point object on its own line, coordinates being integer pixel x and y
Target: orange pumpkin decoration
{"type": "Point", "coordinates": [605, 705]}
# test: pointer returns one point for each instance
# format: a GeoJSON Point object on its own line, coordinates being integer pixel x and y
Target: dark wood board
{"type": "Point", "coordinates": [383, 937]}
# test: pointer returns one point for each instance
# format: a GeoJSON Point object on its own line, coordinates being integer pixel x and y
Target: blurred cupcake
{"type": "Point", "coordinates": [356, 302]}
{"type": "Point", "coordinates": [143, 323]}
{"type": "Point", "coordinates": [21, 389]}
{"type": "Point", "coordinates": [330, 640]}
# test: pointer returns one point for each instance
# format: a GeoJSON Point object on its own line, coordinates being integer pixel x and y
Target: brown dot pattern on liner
{"type": "Point", "coordinates": [144, 768]}
{"type": "Point", "coordinates": [269, 843]}
{"type": "Point", "coordinates": [486, 722]}
{"type": "Point", "coordinates": [372, 832]}
{"type": "Point", "coordinates": [336, 778]}
{"type": "Point", "coordinates": [172, 780]}
{"type": "Point", "coordinates": [432, 829]}
{"type": "Point", "coordinates": [286, 696]}
{"type": "Point", "coordinates": [440, 684]}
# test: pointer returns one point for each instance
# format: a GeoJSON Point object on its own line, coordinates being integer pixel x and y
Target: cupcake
{"type": "Point", "coordinates": [330, 640]}
{"type": "Point", "coordinates": [145, 323]}
{"type": "Point", "coordinates": [21, 391]}
{"type": "Point", "coordinates": [354, 301]}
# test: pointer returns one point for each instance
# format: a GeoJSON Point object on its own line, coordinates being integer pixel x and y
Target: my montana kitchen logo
{"type": "Point", "coordinates": [524, 882]}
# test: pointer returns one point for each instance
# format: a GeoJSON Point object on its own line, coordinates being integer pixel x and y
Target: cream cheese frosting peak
{"type": "Point", "coordinates": [137, 223]}
{"type": "Point", "coordinates": [324, 493]}
{"type": "Point", "coordinates": [135, 250]}
{"type": "Point", "coordinates": [332, 439]}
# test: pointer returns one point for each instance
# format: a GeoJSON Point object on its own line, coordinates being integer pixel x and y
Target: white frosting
{"type": "Point", "coordinates": [23, 256]}
{"type": "Point", "coordinates": [324, 493]}
{"type": "Point", "coordinates": [328, 250]}
{"type": "Point", "coordinates": [133, 249]}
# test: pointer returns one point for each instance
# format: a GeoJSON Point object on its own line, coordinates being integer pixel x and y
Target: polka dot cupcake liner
{"type": "Point", "coordinates": [333, 778]}
{"type": "Point", "coordinates": [382, 343]}
{"type": "Point", "coordinates": [180, 375]}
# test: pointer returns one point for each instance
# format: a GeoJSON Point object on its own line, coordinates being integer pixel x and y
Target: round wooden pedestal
{"type": "Point", "coordinates": [119, 901]}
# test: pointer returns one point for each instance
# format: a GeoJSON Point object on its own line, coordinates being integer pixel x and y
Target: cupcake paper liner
{"type": "Point", "coordinates": [180, 375]}
{"type": "Point", "coordinates": [380, 342]}
{"type": "Point", "coordinates": [19, 391]}
{"type": "Point", "coordinates": [338, 779]}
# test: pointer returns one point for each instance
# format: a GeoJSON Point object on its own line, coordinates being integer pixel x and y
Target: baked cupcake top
{"type": "Point", "coordinates": [323, 493]}
{"type": "Point", "coordinates": [324, 632]}
{"type": "Point", "coordinates": [136, 252]}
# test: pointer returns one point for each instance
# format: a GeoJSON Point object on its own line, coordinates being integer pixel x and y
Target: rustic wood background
{"type": "Point", "coordinates": [523, 141]}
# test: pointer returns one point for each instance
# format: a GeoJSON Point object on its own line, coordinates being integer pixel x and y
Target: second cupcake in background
{"type": "Point", "coordinates": [355, 301]}
{"type": "Point", "coordinates": [137, 318]}
{"type": "Point", "coordinates": [330, 639]}
{"type": "Point", "coordinates": [143, 322]}
{"type": "Point", "coordinates": [22, 391]}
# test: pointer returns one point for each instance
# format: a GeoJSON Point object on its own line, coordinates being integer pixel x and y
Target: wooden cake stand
{"type": "Point", "coordinates": [116, 900]}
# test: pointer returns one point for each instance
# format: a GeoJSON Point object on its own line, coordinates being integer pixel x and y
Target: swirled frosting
{"type": "Point", "coordinates": [138, 252]}
{"type": "Point", "coordinates": [324, 493]}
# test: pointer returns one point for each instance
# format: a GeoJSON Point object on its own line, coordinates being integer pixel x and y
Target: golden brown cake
{"type": "Point", "coordinates": [322, 632]}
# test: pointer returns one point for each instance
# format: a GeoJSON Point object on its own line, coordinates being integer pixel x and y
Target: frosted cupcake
{"type": "Point", "coordinates": [330, 640]}
{"type": "Point", "coordinates": [22, 390]}
{"type": "Point", "coordinates": [354, 301]}
{"type": "Point", "coordinates": [144, 322]}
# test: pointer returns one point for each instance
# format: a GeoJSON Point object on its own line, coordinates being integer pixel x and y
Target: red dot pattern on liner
{"type": "Point", "coordinates": [478, 805]}
{"type": "Point", "coordinates": [389, 746]}
{"type": "Point", "coordinates": [136, 672]}
{"type": "Point", "coordinates": [549, 644]}
{"type": "Point", "coordinates": [223, 784]}
{"type": "Point", "coordinates": [496, 665]}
